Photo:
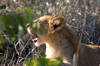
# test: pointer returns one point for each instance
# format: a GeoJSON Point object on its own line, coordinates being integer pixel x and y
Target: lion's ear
{"type": "Point", "coordinates": [56, 24]}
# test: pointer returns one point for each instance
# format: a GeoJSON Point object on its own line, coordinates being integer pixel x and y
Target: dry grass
{"type": "Point", "coordinates": [82, 15]}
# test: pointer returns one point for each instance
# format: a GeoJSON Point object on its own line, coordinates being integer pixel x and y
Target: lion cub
{"type": "Point", "coordinates": [60, 42]}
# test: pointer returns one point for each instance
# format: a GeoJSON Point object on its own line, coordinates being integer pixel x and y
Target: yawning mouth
{"type": "Point", "coordinates": [35, 39]}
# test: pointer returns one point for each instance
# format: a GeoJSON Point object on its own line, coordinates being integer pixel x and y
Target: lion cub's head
{"type": "Point", "coordinates": [52, 24]}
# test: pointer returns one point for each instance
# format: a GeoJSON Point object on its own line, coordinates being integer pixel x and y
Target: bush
{"type": "Point", "coordinates": [43, 62]}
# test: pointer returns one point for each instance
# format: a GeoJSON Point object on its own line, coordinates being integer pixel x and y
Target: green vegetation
{"type": "Point", "coordinates": [9, 22]}
{"type": "Point", "coordinates": [43, 62]}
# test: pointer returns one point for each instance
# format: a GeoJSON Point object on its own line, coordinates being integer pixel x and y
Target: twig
{"type": "Point", "coordinates": [76, 55]}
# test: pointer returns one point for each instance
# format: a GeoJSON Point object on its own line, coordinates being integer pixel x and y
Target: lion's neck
{"type": "Point", "coordinates": [58, 46]}
{"type": "Point", "coordinates": [55, 45]}
{"type": "Point", "coordinates": [51, 51]}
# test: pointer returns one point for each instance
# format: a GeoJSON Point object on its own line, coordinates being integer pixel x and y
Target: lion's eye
{"type": "Point", "coordinates": [39, 21]}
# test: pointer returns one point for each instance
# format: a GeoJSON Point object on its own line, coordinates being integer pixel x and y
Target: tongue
{"type": "Point", "coordinates": [34, 40]}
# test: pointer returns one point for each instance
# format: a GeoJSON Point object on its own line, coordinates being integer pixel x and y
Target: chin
{"type": "Point", "coordinates": [37, 44]}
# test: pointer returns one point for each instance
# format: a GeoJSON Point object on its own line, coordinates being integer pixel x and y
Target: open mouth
{"type": "Point", "coordinates": [35, 39]}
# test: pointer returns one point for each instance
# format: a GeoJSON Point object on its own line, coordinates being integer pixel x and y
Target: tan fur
{"type": "Point", "coordinates": [60, 42]}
